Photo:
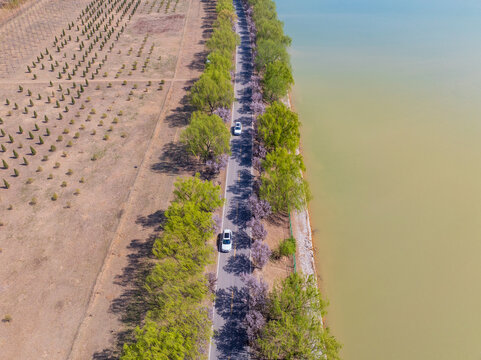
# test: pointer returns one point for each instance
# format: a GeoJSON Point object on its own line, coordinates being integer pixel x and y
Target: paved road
{"type": "Point", "coordinates": [230, 340]}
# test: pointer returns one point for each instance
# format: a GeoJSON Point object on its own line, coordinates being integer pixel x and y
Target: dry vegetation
{"type": "Point", "coordinates": [88, 156]}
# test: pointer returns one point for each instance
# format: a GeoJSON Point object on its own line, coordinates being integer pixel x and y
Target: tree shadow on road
{"type": "Point", "coordinates": [231, 339]}
{"type": "Point", "coordinates": [238, 265]}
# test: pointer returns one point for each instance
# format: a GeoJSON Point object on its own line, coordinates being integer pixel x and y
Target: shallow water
{"type": "Point", "coordinates": [389, 93]}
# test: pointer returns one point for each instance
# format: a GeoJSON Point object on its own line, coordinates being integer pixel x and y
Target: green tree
{"type": "Point", "coordinates": [219, 60]}
{"type": "Point", "coordinates": [272, 29]}
{"type": "Point", "coordinates": [213, 90]}
{"type": "Point", "coordinates": [294, 328]}
{"type": "Point", "coordinates": [223, 38]}
{"type": "Point", "coordinates": [206, 136]}
{"type": "Point", "coordinates": [205, 194]}
{"type": "Point", "coordinates": [155, 343]}
{"type": "Point", "coordinates": [277, 80]}
{"type": "Point", "coordinates": [279, 127]}
{"type": "Point", "coordinates": [269, 51]}
{"type": "Point", "coordinates": [282, 184]}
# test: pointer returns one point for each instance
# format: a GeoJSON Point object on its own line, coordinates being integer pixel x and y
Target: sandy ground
{"type": "Point", "coordinates": [69, 266]}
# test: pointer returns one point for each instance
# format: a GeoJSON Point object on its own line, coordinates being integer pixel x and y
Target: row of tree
{"type": "Point", "coordinates": [272, 60]}
{"type": "Point", "coordinates": [287, 322]}
{"type": "Point", "coordinates": [282, 184]}
{"type": "Point", "coordinates": [213, 94]}
{"type": "Point", "coordinates": [177, 325]}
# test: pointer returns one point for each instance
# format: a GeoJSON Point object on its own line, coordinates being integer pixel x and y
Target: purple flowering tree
{"type": "Point", "coordinates": [217, 221]}
{"type": "Point", "coordinates": [217, 164]}
{"type": "Point", "coordinates": [259, 208]}
{"type": "Point", "coordinates": [260, 151]}
{"type": "Point", "coordinates": [255, 322]}
{"type": "Point", "coordinates": [258, 231]}
{"type": "Point", "coordinates": [223, 113]}
{"type": "Point", "coordinates": [258, 291]}
{"type": "Point", "coordinates": [211, 281]}
{"type": "Point", "coordinates": [260, 253]}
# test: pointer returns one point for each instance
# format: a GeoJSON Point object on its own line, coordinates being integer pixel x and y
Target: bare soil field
{"type": "Point", "coordinates": [92, 101]}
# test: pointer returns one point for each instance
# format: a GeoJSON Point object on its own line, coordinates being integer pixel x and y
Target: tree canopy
{"type": "Point", "coordinates": [219, 60]}
{"type": "Point", "coordinates": [223, 38]}
{"type": "Point", "coordinates": [203, 193]}
{"type": "Point", "coordinates": [269, 51]}
{"type": "Point", "coordinates": [277, 80]}
{"type": "Point", "coordinates": [213, 90]}
{"type": "Point", "coordinates": [279, 127]}
{"type": "Point", "coordinates": [177, 325]}
{"type": "Point", "coordinates": [281, 183]}
{"type": "Point", "coordinates": [206, 136]}
{"type": "Point", "coordinates": [294, 328]}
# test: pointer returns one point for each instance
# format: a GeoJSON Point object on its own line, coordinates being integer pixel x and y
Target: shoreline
{"type": "Point", "coordinates": [305, 247]}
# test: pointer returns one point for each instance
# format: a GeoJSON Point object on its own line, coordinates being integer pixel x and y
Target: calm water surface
{"type": "Point", "coordinates": [389, 93]}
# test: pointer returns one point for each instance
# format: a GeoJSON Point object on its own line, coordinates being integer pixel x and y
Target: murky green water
{"type": "Point", "coordinates": [389, 93]}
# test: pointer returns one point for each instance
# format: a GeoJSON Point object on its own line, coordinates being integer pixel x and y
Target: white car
{"type": "Point", "coordinates": [237, 128]}
{"type": "Point", "coordinates": [226, 244]}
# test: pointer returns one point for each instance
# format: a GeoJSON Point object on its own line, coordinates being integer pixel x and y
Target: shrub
{"type": "Point", "coordinates": [15, 154]}
{"type": "Point", "coordinates": [53, 148]}
{"type": "Point", "coordinates": [76, 192]}
{"type": "Point", "coordinates": [5, 165]}
{"type": "Point", "coordinates": [7, 318]}
{"type": "Point", "coordinates": [6, 184]}
{"type": "Point", "coordinates": [69, 144]}
{"type": "Point", "coordinates": [63, 184]}
{"type": "Point", "coordinates": [287, 247]}
{"type": "Point", "coordinates": [15, 173]}
{"type": "Point", "coordinates": [39, 169]}
{"type": "Point", "coordinates": [65, 131]}
{"type": "Point", "coordinates": [29, 180]}
{"type": "Point", "coordinates": [69, 172]}
{"type": "Point", "coordinates": [54, 197]}
{"type": "Point", "coordinates": [25, 161]}
{"type": "Point", "coordinates": [106, 137]}
{"type": "Point", "coordinates": [82, 180]}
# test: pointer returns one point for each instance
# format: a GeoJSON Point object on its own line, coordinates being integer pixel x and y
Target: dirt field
{"type": "Point", "coordinates": [90, 167]}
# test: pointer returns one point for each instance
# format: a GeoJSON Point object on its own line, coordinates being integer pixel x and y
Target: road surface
{"type": "Point", "coordinates": [230, 338]}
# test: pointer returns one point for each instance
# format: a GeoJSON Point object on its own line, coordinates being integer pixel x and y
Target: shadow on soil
{"type": "Point", "coordinates": [131, 306]}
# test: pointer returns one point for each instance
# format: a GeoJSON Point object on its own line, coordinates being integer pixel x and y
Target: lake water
{"type": "Point", "coordinates": [389, 93]}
